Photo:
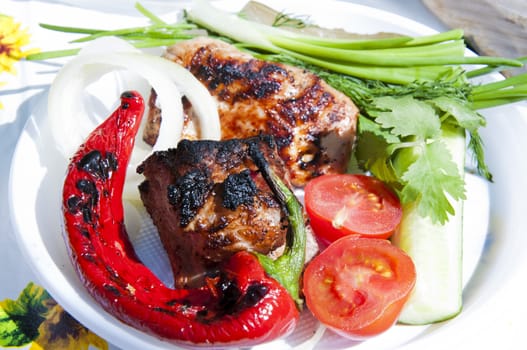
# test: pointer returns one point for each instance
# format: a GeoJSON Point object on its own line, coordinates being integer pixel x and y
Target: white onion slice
{"type": "Point", "coordinates": [70, 122]}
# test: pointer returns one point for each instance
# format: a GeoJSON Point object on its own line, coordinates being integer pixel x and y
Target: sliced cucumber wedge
{"type": "Point", "coordinates": [436, 251]}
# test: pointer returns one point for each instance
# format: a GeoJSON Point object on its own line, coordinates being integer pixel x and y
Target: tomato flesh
{"type": "Point", "coordinates": [351, 204]}
{"type": "Point", "coordinates": [357, 286]}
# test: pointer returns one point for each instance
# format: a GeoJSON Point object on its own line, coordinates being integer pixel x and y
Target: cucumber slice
{"type": "Point", "coordinates": [436, 251]}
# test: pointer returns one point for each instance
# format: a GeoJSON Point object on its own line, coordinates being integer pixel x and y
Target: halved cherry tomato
{"type": "Point", "coordinates": [351, 204]}
{"type": "Point", "coordinates": [357, 286]}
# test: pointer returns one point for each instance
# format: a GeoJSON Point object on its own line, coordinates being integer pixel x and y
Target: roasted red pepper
{"type": "Point", "coordinates": [239, 306]}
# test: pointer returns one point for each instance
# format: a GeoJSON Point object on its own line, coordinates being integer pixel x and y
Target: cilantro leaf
{"type": "Point", "coordinates": [471, 121]}
{"type": "Point", "coordinates": [406, 116]}
{"type": "Point", "coordinates": [366, 125]}
{"type": "Point", "coordinates": [464, 115]}
{"type": "Point", "coordinates": [372, 151]}
{"type": "Point", "coordinates": [401, 145]}
{"type": "Point", "coordinates": [430, 180]}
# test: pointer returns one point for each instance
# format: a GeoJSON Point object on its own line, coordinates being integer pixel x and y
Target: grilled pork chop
{"type": "Point", "coordinates": [314, 124]}
{"type": "Point", "coordinates": [208, 200]}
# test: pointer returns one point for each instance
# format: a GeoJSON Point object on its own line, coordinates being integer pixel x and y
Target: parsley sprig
{"type": "Point", "coordinates": [403, 147]}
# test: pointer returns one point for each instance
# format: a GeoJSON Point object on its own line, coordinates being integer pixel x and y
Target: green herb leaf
{"type": "Point", "coordinates": [401, 145]}
{"type": "Point", "coordinates": [429, 181]}
{"type": "Point", "coordinates": [407, 116]}
{"type": "Point", "coordinates": [470, 120]}
{"type": "Point", "coordinates": [372, 151]}
{"type": "Point", "coordinates": [464, 115]}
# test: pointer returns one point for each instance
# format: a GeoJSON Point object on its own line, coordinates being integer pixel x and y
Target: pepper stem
{"type": "Point", "coordinates": [287, 269]}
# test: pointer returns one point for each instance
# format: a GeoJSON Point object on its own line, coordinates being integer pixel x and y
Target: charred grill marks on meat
{"type": "Point", "coordinates": [189, 192]}
{"type": "Point", "coordinates": [238, 189]}
{"type": "Point", "coordinates": [209, 199]}
{"type": "Point", "coordinates": [253, 79]}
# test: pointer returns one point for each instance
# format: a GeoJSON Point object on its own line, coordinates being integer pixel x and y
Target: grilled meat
{"type": "Point", "coordinates": [314, 124]}
{"type": "Point", "coordinates": [209, 200]}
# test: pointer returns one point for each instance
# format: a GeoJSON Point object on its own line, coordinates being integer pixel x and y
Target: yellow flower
{"type": "Point", "coordinates": [12, 39]}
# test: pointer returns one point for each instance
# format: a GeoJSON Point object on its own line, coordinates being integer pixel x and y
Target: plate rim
{"type": "Point", "coordinates": [48, 283]}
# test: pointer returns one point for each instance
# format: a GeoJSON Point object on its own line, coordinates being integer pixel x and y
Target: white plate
{"type": "Point", "coordinates": [38, 168]}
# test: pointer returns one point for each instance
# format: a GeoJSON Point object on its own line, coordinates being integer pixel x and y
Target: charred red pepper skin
{"type": "Point", "coordinates": [240, 306]}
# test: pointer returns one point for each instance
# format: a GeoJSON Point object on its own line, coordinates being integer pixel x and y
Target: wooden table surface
{"type": "Point", "coordinates": [495, 28]}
